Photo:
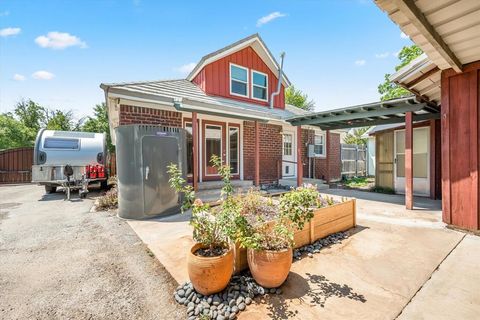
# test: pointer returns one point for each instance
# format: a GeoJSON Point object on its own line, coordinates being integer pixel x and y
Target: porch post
{"type": "Point", "coordinates": [408, 161]}
{"type": "Point", "coordinates": [327, 157]}
{"type": "Point", "coordinates": [257, 153]}
{"type": "Point", "coordinates": [299, 157]}
{"type": "Point", "coordinates": [433, 159]}
{"type": "Point", "coordinates": [195, 150]}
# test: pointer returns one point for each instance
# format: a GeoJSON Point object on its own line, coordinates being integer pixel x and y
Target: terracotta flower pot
{"type": "Point", "coordinates": [269, 268]}
{"type": "Point", "coordinates": [209, 274]}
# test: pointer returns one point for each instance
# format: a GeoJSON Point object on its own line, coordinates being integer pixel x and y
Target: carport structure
{"type": "Point", "coordinates": [403, 110]}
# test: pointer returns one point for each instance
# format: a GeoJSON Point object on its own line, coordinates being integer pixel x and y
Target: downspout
{"type": "Point", "coordinates": [279, 84]}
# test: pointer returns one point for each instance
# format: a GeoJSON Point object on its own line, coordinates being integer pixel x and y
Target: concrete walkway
{"type": "Point", "coordinates": [396, 262]}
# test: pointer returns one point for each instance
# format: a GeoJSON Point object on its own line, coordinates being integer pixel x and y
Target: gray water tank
{"type": "Point", "coordinates": [143, 153]}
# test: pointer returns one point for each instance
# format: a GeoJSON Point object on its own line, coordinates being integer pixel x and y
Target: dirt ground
{"type": "Point", "coordinates": [59, 261]}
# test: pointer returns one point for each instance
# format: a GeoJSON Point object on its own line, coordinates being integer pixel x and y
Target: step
{"type": "Point", "coordinates": [213, 185]}
{"type": "Point", "coordinates": [321, 185]}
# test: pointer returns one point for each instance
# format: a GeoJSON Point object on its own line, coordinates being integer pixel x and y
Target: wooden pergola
{"type": "Point", "coordinates": [403, 110]}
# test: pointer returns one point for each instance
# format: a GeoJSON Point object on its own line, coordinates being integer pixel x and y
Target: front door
{"type": "Point", "coordinates": [213, 144]}
{"type": "Point", "coordinates": [288, 154]}
{"type": "Point", "coordinates": [421, 161]}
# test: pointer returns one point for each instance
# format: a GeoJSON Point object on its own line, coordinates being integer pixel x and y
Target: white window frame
{"type": "Point", "coordinates": [238, 148]}
{"type": "Point", "coordinates": [252, 85]}
{"type": "Point", "coordinates": [246, 83]}
{"type": "Point", "coordinates": [324, 136]}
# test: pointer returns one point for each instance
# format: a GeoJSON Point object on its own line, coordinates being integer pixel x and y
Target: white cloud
{"type": "Point", "coordinates": [403, 35]}
{"type": "Point", "coordinates": [9, 32]}
{"type": "Point", "coordinates": [186, 68]}
{"type": "Point", "coordinates": [360, 62]}
{"type": "Point", "coordinates": [4, 13]}
{"type": "Point", "coordinates": [18, 77]}
{"type": "Point", "coordinates": [269, 18]}
{"type": "Point", "coordinates": [382, 55]}
{"type": "Point", "coordinates": [43, 75]}
{"type": "Point", "coordinates": [59, 40]}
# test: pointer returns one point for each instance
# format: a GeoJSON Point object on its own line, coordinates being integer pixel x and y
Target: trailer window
{"type": "Point", "coordinates": [54, 143]}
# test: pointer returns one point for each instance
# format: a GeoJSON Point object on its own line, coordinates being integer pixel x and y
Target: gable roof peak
{"type": "Point", "coordinates": [253, 40]}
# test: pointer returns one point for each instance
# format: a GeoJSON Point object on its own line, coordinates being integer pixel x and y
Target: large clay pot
{"type": "Point", "coordinates": [269, 268]}
{"type": "Point", "coordinates": [209, 274]}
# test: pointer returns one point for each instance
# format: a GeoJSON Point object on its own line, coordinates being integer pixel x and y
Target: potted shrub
{"type": "Point", "coordinates": [269, 243]}
{"type": "Point", "coordinates": [210, 260]}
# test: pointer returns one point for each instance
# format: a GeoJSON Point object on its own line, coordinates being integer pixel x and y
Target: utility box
{"type": "Point", "coordinates": [143, 153]}
{"type": "Point", "coordinates": [311, 151]}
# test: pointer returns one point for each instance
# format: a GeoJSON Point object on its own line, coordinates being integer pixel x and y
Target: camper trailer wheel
{"type": "Point", "coordinates": [50, 189]}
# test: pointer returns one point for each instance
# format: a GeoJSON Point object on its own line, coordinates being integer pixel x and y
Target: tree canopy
{"type": "Point", "coordinates": [20, 127]}
{"type": "Point", "coordinates": [354, 136]}
{"type": "Point", "coordinates": [389, 90]}
{"type": "Point", "coordinates": [297, 98]}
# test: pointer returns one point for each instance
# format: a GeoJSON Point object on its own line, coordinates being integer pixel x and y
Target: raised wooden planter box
{"type": "Point", "coordinates": [325, 221]}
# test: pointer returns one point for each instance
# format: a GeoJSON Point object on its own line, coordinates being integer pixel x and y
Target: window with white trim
{"type": "Point", "coordinates": [238, 80]}
{"type": "Point", "coordinates": [259, 85]}
{"type": "Point", "coordinates": [319, 145]}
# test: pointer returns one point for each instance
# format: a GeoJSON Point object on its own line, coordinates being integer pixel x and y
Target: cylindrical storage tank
{"type": "Point", "coordinates": [143, 153]}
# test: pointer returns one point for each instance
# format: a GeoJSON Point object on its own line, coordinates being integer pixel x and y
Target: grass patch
{"type": "Point", "coordinates": [358, 182]}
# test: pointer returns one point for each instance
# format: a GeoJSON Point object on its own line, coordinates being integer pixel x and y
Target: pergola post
{"type": "Point", "coordinates": [327, 157]}
{"type": "Point", "coordinates": [299, 157]}
{"type": "Point", "coordinates": [408, 161]}
{"type": "Point", "coordinates": [257, 153]}
{"type": "Point", "coordinates": [195, 150]}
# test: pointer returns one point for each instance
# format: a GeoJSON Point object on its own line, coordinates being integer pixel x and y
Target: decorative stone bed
{"type": "Point", "coordinates": [242, 288]}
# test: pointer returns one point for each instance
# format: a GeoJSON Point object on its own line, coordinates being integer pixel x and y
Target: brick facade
{"type": "Point", "coordinates": [270, 144]}
{"type": "Point", "coordinates": [142, 115]}
{"type": "Point", "coordinates": [320, 164]}
{"type": "Point", "coordinates": [270, 151]}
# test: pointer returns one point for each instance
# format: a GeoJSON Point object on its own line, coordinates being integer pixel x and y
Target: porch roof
{"type": "Point", "coordinates": [377, 113]}
{"type": "Point", "coordinates": [186, 96]}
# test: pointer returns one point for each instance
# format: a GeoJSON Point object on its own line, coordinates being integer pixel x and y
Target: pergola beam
{"type": "Point", "coordinates": [378, 111]}
{"type": "Point", "coordinates": [416, 118]}
{"type": "Point", "coordinates": [418, 19]}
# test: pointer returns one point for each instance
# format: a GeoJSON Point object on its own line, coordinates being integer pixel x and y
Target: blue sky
{"type": "Point", "coordinates": [58, 52]}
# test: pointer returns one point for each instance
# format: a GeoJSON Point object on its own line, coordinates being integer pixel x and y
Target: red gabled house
{"type": "Point", "coordinates": [232, 104]}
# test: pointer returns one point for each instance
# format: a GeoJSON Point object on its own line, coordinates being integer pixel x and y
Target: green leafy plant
{"type": "Point", "coordinates": [298, 205]}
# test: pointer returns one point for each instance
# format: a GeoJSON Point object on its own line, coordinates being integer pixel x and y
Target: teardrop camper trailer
{"type": "Point", "coordinates": [69, 159]}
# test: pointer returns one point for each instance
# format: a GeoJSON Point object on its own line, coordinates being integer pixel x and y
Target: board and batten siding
{"type": "Point", "coordinates": [214, 78]}
{"type": "Point", "coordinates": [460, 146]}
{"type": "Point", "coordinates": [384, 160]}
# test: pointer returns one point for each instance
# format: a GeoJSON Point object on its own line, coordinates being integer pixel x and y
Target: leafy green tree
{"type": "Point", "coordinates": [99, 123]}
{"type": "Point", "coordinates": [355, 137]}
{"type": "Point", "coordinates": [61, 120]}
{"type": "Point", "coordinates": [30, 114]}
{"type": "Point", "coordinates": [297, 98]}
{"type": "Point", "coordinates": [14, 134]}
{"type": "Point", "coordinates": [389, 90]}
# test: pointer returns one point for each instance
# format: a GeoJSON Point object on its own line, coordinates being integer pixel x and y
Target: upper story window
{"type": "Point", "coordinates": [238, 80]}
{"type": "Point", "coordinates": [319, 147]}
{"type": "Point", "coordinates": [259, 85]}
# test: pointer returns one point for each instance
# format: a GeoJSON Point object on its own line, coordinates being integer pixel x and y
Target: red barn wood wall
{"type": "Point", "coordinates": [214, 78]}
{"type": "Point", "coordinates": [460, 146]}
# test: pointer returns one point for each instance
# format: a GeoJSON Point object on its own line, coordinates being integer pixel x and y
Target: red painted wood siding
{"type": "Point", "coordinates": [214, 78]}
{"type": "Point", "coordinates": [460, 147]}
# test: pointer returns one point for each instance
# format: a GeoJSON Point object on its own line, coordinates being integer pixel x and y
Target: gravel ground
{"type": "Point", "coordinates": [59, 261]}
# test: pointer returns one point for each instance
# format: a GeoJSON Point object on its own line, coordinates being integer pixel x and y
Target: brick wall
{"type": "Point", "coordinates": [320, 164]}
{"type": "Point", "coordinates": [270, 151]}
{"type": "Point", "coordinates": [141, 115]}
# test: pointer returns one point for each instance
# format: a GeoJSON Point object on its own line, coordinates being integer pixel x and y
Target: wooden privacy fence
{"type": "Point", "coordinates": [354, 160]}
{"type": "Point", "coordinates": [16, 165]}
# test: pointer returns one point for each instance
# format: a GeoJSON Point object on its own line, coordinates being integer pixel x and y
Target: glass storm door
{"type": "Point", "coordinates": [288, 154]}
{"type": "Point", "coordinates": [213, 146]}
{"type": "Point", "coordinates": [421, 161]}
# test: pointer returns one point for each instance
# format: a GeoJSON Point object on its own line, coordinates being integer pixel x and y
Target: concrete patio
{"type": "Point", "coordinates": [395, 263]}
